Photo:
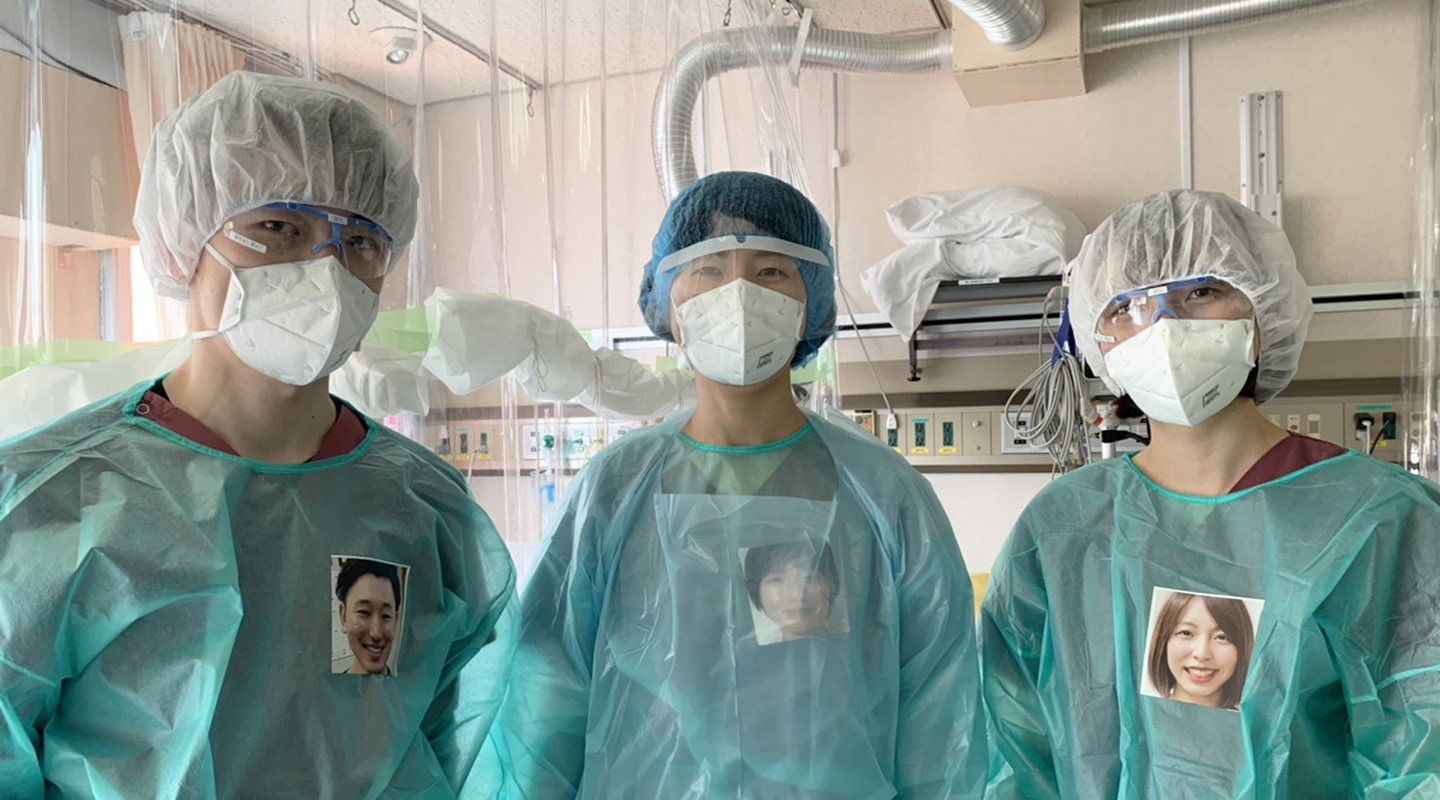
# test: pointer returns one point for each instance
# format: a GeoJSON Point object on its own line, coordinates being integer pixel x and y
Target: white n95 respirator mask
{"type": "Point", "coordinates": [740, 334]}
{"type": "Point", "coordinates": [295, 322]}
{"type": "Point", "coordinates": [1184, 371]}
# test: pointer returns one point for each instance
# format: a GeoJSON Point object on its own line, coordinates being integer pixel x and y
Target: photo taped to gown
{"type": "Point", "coordinates": [795, 591]}
{"type": "Point", "coordinates": [1199, 647]}
{"type": "Point", "coordinates": [368, 598]}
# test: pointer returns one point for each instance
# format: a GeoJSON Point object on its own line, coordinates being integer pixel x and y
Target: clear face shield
{"type": "Point", "coordinates": [766, 261]}
{"type": "Point", "coordinates": [739, 305]}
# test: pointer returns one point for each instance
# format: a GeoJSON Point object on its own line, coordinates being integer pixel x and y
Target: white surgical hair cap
{"type": "Point", "coordinates": [254, 139]}
{"type": "Point", "coordinates": [1186, 234]}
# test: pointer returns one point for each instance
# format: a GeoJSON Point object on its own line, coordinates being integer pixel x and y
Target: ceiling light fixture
{"type": "Point", "coordinates": [397, 43]}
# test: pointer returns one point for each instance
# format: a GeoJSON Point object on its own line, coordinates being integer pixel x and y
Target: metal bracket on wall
{"type": "Point", "coordinates": [1262, 176]}
{"type": "Point", "coordinates": [982, 312]}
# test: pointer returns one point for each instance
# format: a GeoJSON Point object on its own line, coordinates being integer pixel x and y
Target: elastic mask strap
{"type": "Point", "coordinates": [226, 263]}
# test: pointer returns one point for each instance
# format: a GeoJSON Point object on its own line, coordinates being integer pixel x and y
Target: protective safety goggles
{"type": "Point", "coordinates": [286, 232]}
{"type": "Point", "coordinates": [740, 241]}
{"type": "Point", "coordinates": [1192, 298]}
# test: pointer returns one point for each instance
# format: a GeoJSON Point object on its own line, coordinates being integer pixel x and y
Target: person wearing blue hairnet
{"type": "Point", "coordinates": [168, 556]}
{"type": "Point", "coordinates": [652, 663]}
{"type": "Point", "coordinates": [1236, 611]}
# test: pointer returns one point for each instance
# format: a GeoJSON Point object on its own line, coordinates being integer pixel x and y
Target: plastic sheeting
{"type": "Point", "coordinates": [157, 628]}
{"type": "Point", "coordinates": [528, 132]}
{"type": "Point", "coordinates": [1333, 691]}
{"type": "Point", "coordinates": [1422, 375]}
{"type": "Point", "coordinates": [652, 669]}
{"type": "Point", "coordinates": [744, 203]}
{"type": "Point", "coordinates": [1009, 232]}
{"type": "Point", "coordinates": [475, 341]}
{"type": "Point", "coordinates": [1179, 234]}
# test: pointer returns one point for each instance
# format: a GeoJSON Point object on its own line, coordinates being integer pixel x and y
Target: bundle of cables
{"type": "Point", "coordinates": [1052, 403]}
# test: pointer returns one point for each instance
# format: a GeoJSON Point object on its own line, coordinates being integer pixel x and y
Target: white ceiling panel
{"type": "Point", "coordinates": [868, 16]}
{"type": "Point", "coordinates": [638, 35]}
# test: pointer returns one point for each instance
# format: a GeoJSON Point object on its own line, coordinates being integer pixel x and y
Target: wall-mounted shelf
{"type": "Point", "coordinates": [993, 312]}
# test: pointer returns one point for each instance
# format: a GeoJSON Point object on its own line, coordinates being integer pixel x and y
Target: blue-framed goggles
{"type": "Point", "coordinates": [288, 231]}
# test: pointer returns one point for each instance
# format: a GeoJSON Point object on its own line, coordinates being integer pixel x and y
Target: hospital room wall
{"type": "Point", "coordinates": [461, 184]}
{"type": "Point", "coordinates": [69, 299]}
{"type": "Point", "coordinates": [982, 508]}
{"type": "Point", "coordinates": [1349, 75]}
{"type": "Point", "coordinates": [468, 232]}
{"type": "Point", "coordinates": [90, 177]}
{"type": "Point", "coordinates": [1350, 78]}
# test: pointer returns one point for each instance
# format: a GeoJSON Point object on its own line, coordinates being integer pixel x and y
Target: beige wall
{"type": "Point", "coordinates": [89, 182]}
{"type": "Point", "coordinates": [68, 291]}
{"type": "Point", "coordinates": [461, 187]}
{"type": "Point", "coordinates": [1351, 81]}
{"type": "Point", "coordinates": [1350, 77]}
{"type": "Point", "coordinates": [89, 190]}
{"type": "Point", "coordinates": [467, 237]}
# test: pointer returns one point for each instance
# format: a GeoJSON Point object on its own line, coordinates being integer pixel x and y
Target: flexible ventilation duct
{"type": "Point", "coordinates": [1104, 27]}
{"type": "Point", "coordinates": [1011, 24]}
{"type": "Point", "coordinates": [716, 53]}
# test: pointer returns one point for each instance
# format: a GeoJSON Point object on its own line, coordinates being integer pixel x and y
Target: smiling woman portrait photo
{"type": "Point", "coordinates": [369, 594]}
{"type": "Point", "coordinates": [1200, 649]}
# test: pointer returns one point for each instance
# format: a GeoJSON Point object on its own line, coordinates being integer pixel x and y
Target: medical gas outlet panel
{"type": "Point", "coordinates": [984, 437]}
{"type": "Point", "coordinates": [959, 437]}
{"type": "Point", "coordinates": [492, 445]}
{"type": "Point", "coordinates": [1379, 425]}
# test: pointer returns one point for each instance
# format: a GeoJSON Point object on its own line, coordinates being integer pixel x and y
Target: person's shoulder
{"type": "Point", "coordinates": [1099, 475]}
{"type": "Point", "coordinates": [1385, 481]}
{"type": "Point", "coordinates": [873, 471]}
{"type": "Point", "coordinates": [1080, 501]}
{"type": "Point", "coordinates": [835, 426]}
{"type": "Point", "coordinates": [425, 480]}
{"type": "Point", "coordinates": [61, 440]}
{"type": "Point", "coordinates": [73, 428]}
{"type": "Point", "coordinates": [633, 448]}
{"type": "Point", "coordinates": [1315, 450]}
{"type": "Point", "coordinates": [411, 458]}
{"type": "Point", "coordinates": [856, 448]}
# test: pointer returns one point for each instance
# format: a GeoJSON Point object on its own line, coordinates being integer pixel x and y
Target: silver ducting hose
{"type": "Point", "coordinates": [1011, 24]}
{"type": "Point", "coordinates": [1112, 25]}
{"type": "Point", "coordinates": [1104, 27]}
{"type": "Point", "coordinates": [723, 51]}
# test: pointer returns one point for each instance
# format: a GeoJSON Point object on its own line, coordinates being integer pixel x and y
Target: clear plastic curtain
{"type": "Point", "coordinates": [1422, 394]}
{"type": "Point", "coordinates": [571, 199]}
{"type": "Point", "coordinates": [66, 185]}
{"type": "Point", "coordinates": [773, 119]}
{"type": "Point", "coordinates": [530, 128]}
